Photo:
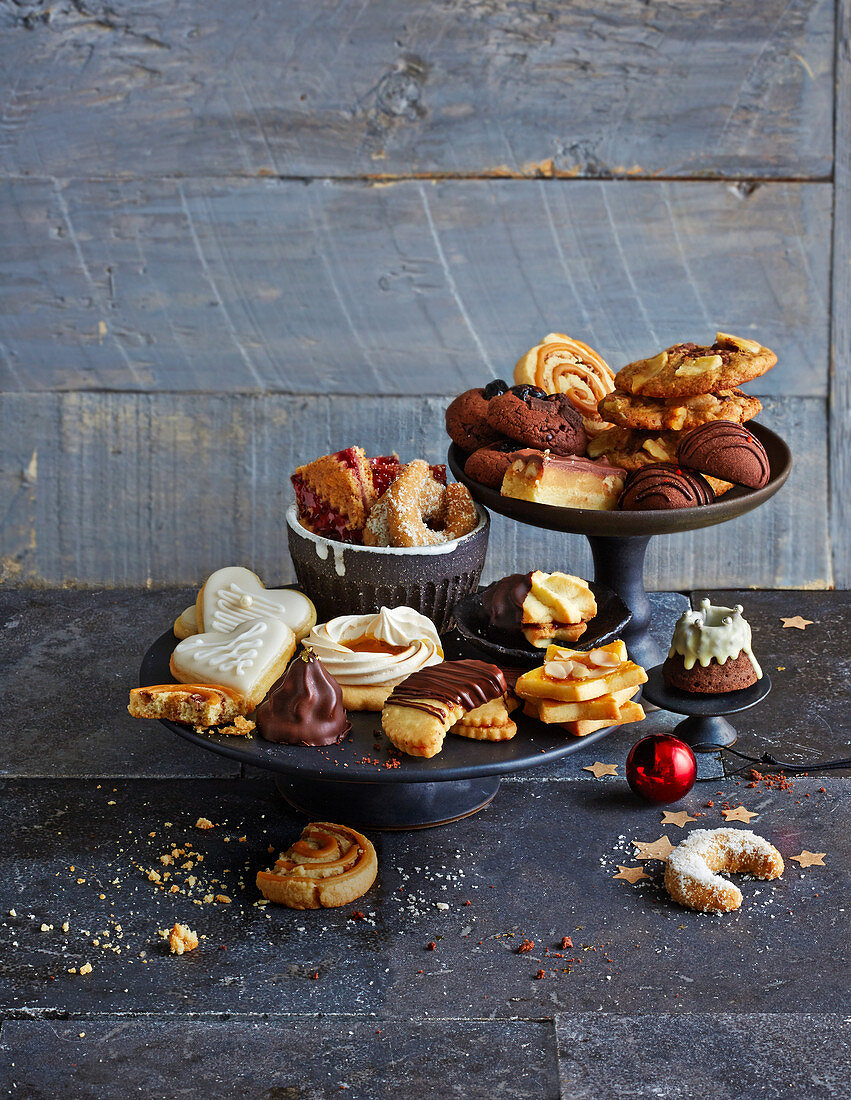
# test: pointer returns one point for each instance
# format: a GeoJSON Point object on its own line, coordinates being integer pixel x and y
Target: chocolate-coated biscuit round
{"type": "Point", "coordinates": [489, 463]}
{"type": "Point", "coordinates": [467, 421]}
{"type": "Point", "coordinates": [728, 451]}
{"type": "Point", "coordinates": [538, 420]}
{"type": "Point", "coordinates": [662, 486]}
{"type": "Point", "coordinates": [712, 679]}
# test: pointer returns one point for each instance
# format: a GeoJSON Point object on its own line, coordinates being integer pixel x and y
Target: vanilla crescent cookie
{"type": "Point", "coordinates": [248, 659]}
{"type": "Point", "coordinates": [329, 865]}
{"type": "Point", "coordinates": [692, 870]}
{"type": "Point", "coordinates": [685, 370]}
{"type": "Point", "coordinates": [678, 413]}
{"type": "Point", "coordinates": [234, 595]}
{"type": "Point", "coordinates": [368, 655]}
{"type": "Point", "coordinates": [560, 364]}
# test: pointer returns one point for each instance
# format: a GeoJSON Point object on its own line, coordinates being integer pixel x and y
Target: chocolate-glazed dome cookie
{"type": "Point", "coordinates": [305, 707]}
{"type": "Point", "coordinates": [728, 451]}
{"type": "Point", "coordinates": [546, 422]}
{"type": "Point", "coordinates": [664, 485]}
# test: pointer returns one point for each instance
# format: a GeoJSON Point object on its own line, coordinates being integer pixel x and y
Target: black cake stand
{"type": "Point", "coordinates": [706, 729]}
{"type": "Point", "coordinates": [363, 781]}
{"type": "Point", "coordinates": [619, 540]}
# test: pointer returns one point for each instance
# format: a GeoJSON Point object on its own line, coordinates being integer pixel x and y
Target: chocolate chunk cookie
{"type": "Point", "coordinates": [467, 417]}
{"type": "Point", "coordinates": [537, 420]}
{"type": "Point", "coordinates": [685, 370]}
{"type": "Point", "coordinates": [678, 413]}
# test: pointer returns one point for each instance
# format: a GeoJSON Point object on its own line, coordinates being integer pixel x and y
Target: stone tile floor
{"type": "Point", "coordinates": [651, 1000]}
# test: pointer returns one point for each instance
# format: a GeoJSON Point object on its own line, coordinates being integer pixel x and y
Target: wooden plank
{"type": "Point", "coordinates": [161, 489]}
{"type": "Point", "coordinates": [316, 87]}
{"type": "Point", "coordinates": [840, 380]}
{"type": "Point", "coordinates": [269, 286]}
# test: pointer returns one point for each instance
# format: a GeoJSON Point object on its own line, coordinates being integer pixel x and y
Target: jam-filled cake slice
{"type": "Point", "coordinates": [335, 493]}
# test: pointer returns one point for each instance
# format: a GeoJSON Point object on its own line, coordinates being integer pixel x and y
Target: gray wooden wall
{"type": "Point", "coordinates": [238, 235]}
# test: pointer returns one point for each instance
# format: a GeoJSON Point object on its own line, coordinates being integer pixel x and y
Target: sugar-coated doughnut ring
{"type": "Point", "coordinates": [329, 865]}
{"type": "Point", "coordinates": [413, 499]}
{"type": "Point", "coordinates": [691, 872]}
{"type": "Point", "coordinates": [459, 512]}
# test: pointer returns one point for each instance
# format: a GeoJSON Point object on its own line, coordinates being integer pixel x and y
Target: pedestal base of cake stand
{"type": "Point", "coordinates": [619, 565]}
{"type": "Point", "coordinates": [391, 806]}
{"type": "Point", "coordinates": [705, 729]}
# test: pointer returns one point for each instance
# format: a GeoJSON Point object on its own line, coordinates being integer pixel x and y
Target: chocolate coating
{"type": "Point", "coordinates": [664, 485]}
{"type": "Point", "coordinates": [726, 450]}
{"type": "Point", "coordinates": [503, 601]}
{"type": "Point", "coordinates": [468, 684]}
{"type": "Point", "coordinates": [305, 707]}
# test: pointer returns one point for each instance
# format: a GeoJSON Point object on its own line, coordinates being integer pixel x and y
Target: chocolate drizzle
{"type": "Point", "coordinates": [468, 684]}
{"type": "Point", "coordinates": [304, 707]}
{"type": "Point", "coordinates": [726, 450]}
{"type": "Point", "coordinates": [503, 601]}
{"type": "Point", "coordinates": [664, 485]}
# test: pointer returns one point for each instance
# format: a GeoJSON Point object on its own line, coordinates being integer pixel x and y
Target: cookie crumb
{"type": "Point", "coordinates": [86, 968]}
{"type": "Point", "coordinates": [181, 938]}
{"type": "Point", "coordinates": [204, 823]}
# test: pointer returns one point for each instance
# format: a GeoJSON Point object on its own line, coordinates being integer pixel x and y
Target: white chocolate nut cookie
{"type": "Point", "coordinates": [685, 370]}
{"type": "Point", "coordinates": [330, 865]}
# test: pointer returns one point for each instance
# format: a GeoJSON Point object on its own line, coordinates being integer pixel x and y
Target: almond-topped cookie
{"type": "Point", "coordinates": [686, 370]}
{"type": "Point", "coordinates": [424, 706]}
{"type": "Point", "coordinates": [678, 413]}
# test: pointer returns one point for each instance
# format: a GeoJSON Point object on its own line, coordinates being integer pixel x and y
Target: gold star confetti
{"type": "Point", "coordinates": [599, 769]}
{"type": "Point", "coordinates": [739, 814]}
{"type": "Point", "coordinates": [653, 849]}
{"type": "Point", "coordinates": [809, 859]}
{"type": "Point", "coordinates": [679, 818]}
{"type": "Point", "coordinates": [797, 622]}
{"type": "Point", "coordinates": [630, 874]}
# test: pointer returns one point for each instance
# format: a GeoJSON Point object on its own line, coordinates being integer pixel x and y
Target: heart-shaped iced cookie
{"type": "Point", "coordinates": [234, 595]}
{"type": "Point", "coordinates": [247, 659]}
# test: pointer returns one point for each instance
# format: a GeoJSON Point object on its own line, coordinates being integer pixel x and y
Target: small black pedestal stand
{"type": "Point", "coordinates": [705, 730]}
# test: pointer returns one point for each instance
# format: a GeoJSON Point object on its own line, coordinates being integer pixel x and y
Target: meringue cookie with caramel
{"type": "Point", "coordinates": [368, 655]}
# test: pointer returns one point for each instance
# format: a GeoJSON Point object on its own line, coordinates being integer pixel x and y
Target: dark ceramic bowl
{"type": "Point", "coordinates": [344, 579]}
{"type": "Point", "coordinates": [471, 622]}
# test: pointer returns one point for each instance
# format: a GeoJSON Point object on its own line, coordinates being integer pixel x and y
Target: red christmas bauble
{"type": "Point", "coordinates": [661, 768]}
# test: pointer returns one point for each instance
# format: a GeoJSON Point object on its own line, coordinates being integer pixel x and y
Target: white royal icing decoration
{"type": "Point", "coordinates": [234, 595]}
{"type": "Point", "coordinates": [238, 659]}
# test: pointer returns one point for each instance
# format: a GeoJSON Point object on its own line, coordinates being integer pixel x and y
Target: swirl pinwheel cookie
{"type": "Point", "coordinates": [330, 865]}
{"type": "Point", "coordinates": [560, 364]}
{"type": "Point", "coordinates": [235, 595]}
{"type": "Point", "coordinates": [420, 711]}
{"type": "Point", "coordinates": [248, 659]}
